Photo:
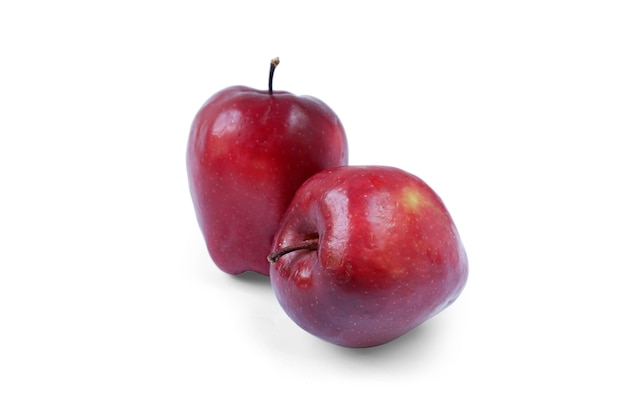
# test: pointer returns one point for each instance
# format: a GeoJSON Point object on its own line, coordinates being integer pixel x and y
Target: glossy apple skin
{"type": "Point", "coordinates": [389, 256]}
{"type": "Point", "coordinates": [247, 154]}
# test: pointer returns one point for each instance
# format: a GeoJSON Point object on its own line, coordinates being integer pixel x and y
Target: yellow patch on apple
{"type": "Point", "coordinates": [411, 199]}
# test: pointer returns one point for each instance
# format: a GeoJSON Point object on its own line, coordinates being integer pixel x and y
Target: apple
{"type": "Point", "coordinates": [248, 153]}
{"type": "Point", "coordinates": [364, 254]}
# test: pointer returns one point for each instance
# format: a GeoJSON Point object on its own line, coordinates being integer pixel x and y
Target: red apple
{"type": "Point", "coordinates": [248, 153]}
{"type": "Point", "coordinates": [364, 254]}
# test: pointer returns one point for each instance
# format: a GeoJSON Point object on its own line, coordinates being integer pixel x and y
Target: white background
{"type": "Point", "coordinates": [514, 112]}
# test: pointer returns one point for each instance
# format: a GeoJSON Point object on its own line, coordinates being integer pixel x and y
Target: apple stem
{"type": "Point", "coordinates": [273, 64]}
{"type": "Point", "coordinates": [310, 244]}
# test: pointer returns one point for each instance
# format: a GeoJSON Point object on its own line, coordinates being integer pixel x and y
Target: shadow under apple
{"type": "Point", "coordinates": [253, 279]}
{"type": "Point", "coordinates": [420, 342]}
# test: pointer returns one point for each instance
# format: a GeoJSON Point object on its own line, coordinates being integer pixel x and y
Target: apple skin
{"type": "Point", "coordinates": [248, 153]}
{"type": "Point", "coordinates": [379, 254]}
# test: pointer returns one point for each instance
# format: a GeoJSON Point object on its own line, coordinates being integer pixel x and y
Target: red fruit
{"type": "Point", "coordinates": [366, 254]}
{"type": "Point", "coordinates": [248, 152]}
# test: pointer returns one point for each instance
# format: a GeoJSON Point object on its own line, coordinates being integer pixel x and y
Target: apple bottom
{"type": "Point", "coordinates": [345, 314]}
{"type": "Point", "coordinates": [238, 237]}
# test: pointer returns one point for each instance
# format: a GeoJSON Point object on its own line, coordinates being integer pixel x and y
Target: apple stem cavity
{"type": "Point", "coordinates": [309, 244]}
{"type": "Point", "coordinates": [273, 64]}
